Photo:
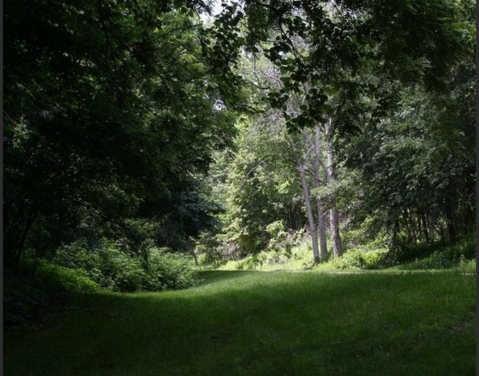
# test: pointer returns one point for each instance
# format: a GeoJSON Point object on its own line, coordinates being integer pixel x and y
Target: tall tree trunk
{"type": "Point", "coordinates": [424, 227]}
{"type": "Point", "coordinates": [451, 226]}
{"type": "Point", "coordinates": [442, 235]}
{"type": "Point", "coordinates": [307, 201]}
{"type": "Point", "coordinates": [333, 215]}
{"type": "Point", "coordinates": [420, 226]}
{"type": "Point", "coordinates": [317, 183]}
{"type": "Point", "coordinates": [28, 225]}
{"type": "Point", "coordinates": [407, 224]}
{"type": "Point", "coordinates": [194, 256]}
{"type": "Point", "coordinates": [412, 223]}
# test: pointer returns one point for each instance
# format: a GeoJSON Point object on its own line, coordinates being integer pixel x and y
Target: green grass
{"type": "Point", "coordinates": [263, 323]}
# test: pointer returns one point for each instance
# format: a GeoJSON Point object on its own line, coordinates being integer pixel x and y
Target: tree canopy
{"type": "Point", "coordinates": [140, 122]}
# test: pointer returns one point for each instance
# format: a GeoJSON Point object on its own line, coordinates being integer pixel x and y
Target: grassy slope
{"type": "Point", "coordinates": [257, 323]}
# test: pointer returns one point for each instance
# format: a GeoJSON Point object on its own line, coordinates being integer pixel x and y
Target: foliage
{"type": "Point", "coordinates": [280, 240]}
{"type": "Point", "coordinates": [31, 294]}
{"type": "Point", "coordinates": [359, 259]}
{"type": "Point", "coordinates": [413, 177]}
{"type": "Point", "coordinates": [133, 126]}
{"type": "Point", "coordinates": [169, 270]}
{"type": "Point", "coordinates": [111, 116]}
{"type": "Point", "coordinates": [322, 49]}
{"type": "Point", "coordinates": [55, 277]}
{"type": "Point", "coordinates": [259, 188]}
{"type": "Point", "coordinates": [435, 256]}
{"type": "Point", "coordinates": [23, 299]}
{"type": "Point", "coordinates": [208, 250]}
{"type": "Point", "coordinates": [120, 270]}
{"type": "Point", "coordinates": [371, 255]}
{"type": "Point", "coordinates": [400, 101]}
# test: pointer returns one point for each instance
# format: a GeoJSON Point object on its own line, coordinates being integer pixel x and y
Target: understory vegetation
{"type": "Point", "coordinates": [373, 256]}
{"type": "Point", "coordinates": [40, 287]}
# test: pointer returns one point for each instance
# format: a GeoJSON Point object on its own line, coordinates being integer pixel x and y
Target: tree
{"type": "Point", "coordinates": [317, 166]}
{"type": "Point", "coordinates": [307, 201]}
{"type": "Point", "coordinates": [348, 60]}
{"type": "Point", "coordinates": [111, 114]}
{"type": "Point", "coordinates": [259, 186]}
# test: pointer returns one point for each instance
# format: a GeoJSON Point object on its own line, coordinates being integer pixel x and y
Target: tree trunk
{"type": "Point", "coordinates": [424, 227]}
{"type": "Point", "coordinates": [333, 215]}
{"type": "Point", "coordinates": [451, 226]}
{"type": "Point", "coordinates": [307, 201]}
{"type": "Point", "coordinates": [194, 256]}
{"type": "Point", "coordinates": [407, 225]}
{"type": "Point", "coordinates": [28, 226]}
{"type": "Point", "coordinates": [317, 182]}
{"type": "Point", "coordinates": [442, 235]}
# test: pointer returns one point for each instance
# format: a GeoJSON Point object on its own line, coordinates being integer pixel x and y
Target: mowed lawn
{"type": "Point", "coordinates": [263, 323]}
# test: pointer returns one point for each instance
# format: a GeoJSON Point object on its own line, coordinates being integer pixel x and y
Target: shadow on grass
{"type": "Point", "coordinates": [258, 323]}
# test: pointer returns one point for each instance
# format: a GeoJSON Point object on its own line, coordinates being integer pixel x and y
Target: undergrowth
{"type": "Point", "coordinates": [371, 256]}
{"type": "Point", "coordinates": [33, 291]}
{"type": "Point", "coordinates": [125, 271]}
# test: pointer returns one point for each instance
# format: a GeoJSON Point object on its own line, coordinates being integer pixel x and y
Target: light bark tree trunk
{"type": "Point", "coordinates": [317, 165]}
{"type": "Point", "coordinates": [321, 219]}
{"type": "Point", "coordinates": [307, 201]}
{"type": "Point", "coordinates": [333, 214]}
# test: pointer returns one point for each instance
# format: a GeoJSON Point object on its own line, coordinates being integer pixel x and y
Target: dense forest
{"type": "Point", "coordinates": [145, 141]}
{"type": "Point", "coordinates": [139, 125]}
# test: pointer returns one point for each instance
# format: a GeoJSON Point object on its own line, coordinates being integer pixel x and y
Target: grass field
{"type": "Point", "coordinates": [263, 323]}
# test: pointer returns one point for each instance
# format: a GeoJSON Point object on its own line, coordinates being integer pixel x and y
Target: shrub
{"type": "Point", "coordinates": [77, 255]}
{"type": "Point", "coordinates": [122, 270]}
{"type": "Point", "coordinates": [168, 271]}
{"type": "Point", "coordinates": [55, 277]}
{"type": "Point", "coordinates": [359, 259]}
{"type": "Point", "coordinates": [434, 255]}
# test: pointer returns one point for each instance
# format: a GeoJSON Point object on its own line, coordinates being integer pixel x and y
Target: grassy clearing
{"type": "Point", "coordinates": [257, 323]}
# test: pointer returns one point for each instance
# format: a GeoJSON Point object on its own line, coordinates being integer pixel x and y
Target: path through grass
{"type": "Point", "coordinates": [257, 323]}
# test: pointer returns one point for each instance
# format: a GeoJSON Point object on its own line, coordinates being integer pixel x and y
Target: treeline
{"type": "Point", "coordinates": [111, 113]}
{"type": "Point", "coordinates": [327, 114]}
{"type": "Point", "coordinates": [362, 124]}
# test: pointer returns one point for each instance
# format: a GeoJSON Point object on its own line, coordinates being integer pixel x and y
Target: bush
{"type": "Point", "coordinates": [122, 270]}
{"type": "Point", "coordinates": [169, 271]}
{"type": "Point", "coordinates": [433, 256]}
{"type": "Point", "coordinates": [23, 299]}
{"type": "Point", "coordinates": [58, 278]}
{"type": "Point", "coordinates": [77, 255]}
{"type": "Point", "coordinates": [209, 250]}
{"type": "Point", "coordinates": [359, 259]}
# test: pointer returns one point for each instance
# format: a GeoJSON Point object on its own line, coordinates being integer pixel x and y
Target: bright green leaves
{"type": "Point", "coordinates": [258, 185]}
